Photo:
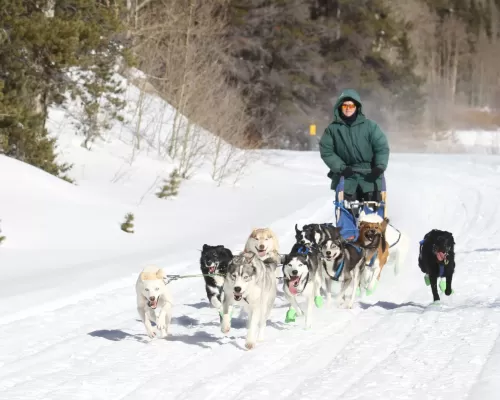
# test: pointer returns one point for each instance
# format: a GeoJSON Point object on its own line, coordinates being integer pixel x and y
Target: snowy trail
{"type": "Point", "coordinates": [393, 345]}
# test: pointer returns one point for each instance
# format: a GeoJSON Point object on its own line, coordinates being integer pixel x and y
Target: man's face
{"type": "Point", "coordinates": [348, 108]}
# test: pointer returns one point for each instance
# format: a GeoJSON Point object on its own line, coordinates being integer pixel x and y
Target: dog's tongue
{"type": "Point", "coordinates": [440, 255]}
{"type": "Point", "coordinates": [153, 303]}
{"type": "Point", "coordinates": [291, 287]}
{"type": "Point", "coordinates": [262, 253]}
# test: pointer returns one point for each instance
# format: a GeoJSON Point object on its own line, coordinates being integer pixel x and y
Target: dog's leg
{"type": "Point", "coordinates": [343, 288]}
{"type": "Point", "coordinates": [433, 279]}
{"type": "Point", "coordinates": [147, 323]}
{"type": "Point", "coordinates": [375, 271]}
{"type": "Point", "coordinates": [264, 316]}
{"type": "Point", "coordinates": [309, 312]}
{"type": "Point", "coordinates": [213, 294]}
{"type": "Point", "coordinates": [225, 325]}
{"type": "Point", "coordinates": [141, 308]}
{"type": "Point", "coordinates": [449, 277]}
{"type": "Point", "coordinates": [164, 319]}
{"type": "Point", "coordinates": [318, 298]}
{"type": "Point", "coordinates": [294, 303]}
{"type": "Point", "coordinates": [328, 290]}
{"type": "Point", "coordinates": [143, 311]}
{"type": "Point", "coordinates": [355, 283]}
{"type": "Point", "coordinates": [253, 326]}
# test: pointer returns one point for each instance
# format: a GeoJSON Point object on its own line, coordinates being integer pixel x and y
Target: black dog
{"type": "Point", "coordinates": [437, 259]}
{"type": "Point", "coordinates": [214, 260]}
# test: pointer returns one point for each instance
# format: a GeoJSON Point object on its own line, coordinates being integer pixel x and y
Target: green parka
{"type": "Point", "coordinates": [362, 145]}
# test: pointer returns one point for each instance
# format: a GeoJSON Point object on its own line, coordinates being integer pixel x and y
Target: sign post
{"type": "Point", "coordinates": [312, 137]}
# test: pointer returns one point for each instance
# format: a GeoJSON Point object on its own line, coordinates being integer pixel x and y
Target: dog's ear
{"type": "Point", "coordinates": [205, 247]}
{"type": "Point", "coordinates": [228, 253]}
{"type": "Point", "coordinates": [297, 230]}
{"type": "Point", "coordinates": [384, 224]}
{"type": "Point", "coordinates": [161, 274]}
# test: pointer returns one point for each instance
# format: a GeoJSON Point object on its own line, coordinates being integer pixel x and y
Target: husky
{"type": "Point", "coordinates": [346, 264]}
{"type": "Point", "coordinates": [330, 252]}
{"type": "Point", "coordinates": [264, 243]}
{"type": "Point", "coordinates": [317, 234]}
{"type": "Point", "coordinates": [302, 276]}
{"type": "Point", "coordinates": [214, 261]}
{"type": "Point", "coordinates": [250, 282]}
{"type": "Point", "coordinates": [153, 294]}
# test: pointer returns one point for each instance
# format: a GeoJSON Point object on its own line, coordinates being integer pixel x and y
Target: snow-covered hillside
{"type": "Point", "coordinates": [68, 321]}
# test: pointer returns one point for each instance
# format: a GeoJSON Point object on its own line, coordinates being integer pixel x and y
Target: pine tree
{"type": "Point", "coordinates": [39, 43]}
{"type": "Point", "coordinates": [128, 225]}
{"type": "Point", "coordinates": [171, 187]}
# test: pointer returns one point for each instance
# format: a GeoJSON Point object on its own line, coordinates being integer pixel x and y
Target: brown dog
{"type": "Point", "coordinates": [372, 238]}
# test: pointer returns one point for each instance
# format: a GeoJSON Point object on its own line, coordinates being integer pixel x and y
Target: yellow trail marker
{"type": "Point", "coordinates": [312, 130]}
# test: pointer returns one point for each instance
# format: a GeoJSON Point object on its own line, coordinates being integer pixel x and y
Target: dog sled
{"type": "Point", "coordinates": [348, 213]}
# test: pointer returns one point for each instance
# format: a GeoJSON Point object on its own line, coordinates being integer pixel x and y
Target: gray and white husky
{"type": "Point", "coordinates": [251, 283]}
{"type": "Point", "coordinates": [343, 262]}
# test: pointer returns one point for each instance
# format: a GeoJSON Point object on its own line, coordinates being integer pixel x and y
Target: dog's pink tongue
{"type": "Point", "coordinates": [293, 289]}
{"type": "Point", "coordinates": [440, 256]}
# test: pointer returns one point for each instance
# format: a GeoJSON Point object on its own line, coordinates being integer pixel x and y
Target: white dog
{"type": "Point", "coordinates": [153, 294]}
{"type": "Point", "coordinates": [251, 283]}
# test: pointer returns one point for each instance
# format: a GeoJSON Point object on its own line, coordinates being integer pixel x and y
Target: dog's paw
{"type": "Point", "coordinates": [225, 328]}
{"type": "Point", "coordinates": [448, 291]}
{"type": "Point", "coordinates": [250, 345]}
{"type": "Point", "coordinates": [151, 334]}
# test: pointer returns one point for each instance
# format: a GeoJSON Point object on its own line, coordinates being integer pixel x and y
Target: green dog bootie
{"type": "Point", "coordinates": [427, 280]}
{"type": "Point", "coordinates": [318, 300]}
{"type": "Point", "coordinates": [370, 292]}
{"type": "Point", "coordinates": [290, 315]}
{"type": "Point", "coordinates": [358, 292]}
{"type": "Point", "coordinates": [221, 314]}
{"type": "Point", "coordinates": [442, 286]}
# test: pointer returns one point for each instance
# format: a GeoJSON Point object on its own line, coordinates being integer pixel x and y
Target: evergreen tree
{"type": "Point", "coordinates": [128, 225]}
{"type": "Point", "coordinates": [2, 238]}
{"type": "Point", "coordinates": [40, 42]}
{"type": "Point", "coordinates": [171, 187]}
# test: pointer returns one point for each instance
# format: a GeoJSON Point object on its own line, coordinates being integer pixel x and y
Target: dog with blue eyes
{"type": "Point", "coordinates": [436, 259]}
{"type": "Point", "coordinates": [251, 283]}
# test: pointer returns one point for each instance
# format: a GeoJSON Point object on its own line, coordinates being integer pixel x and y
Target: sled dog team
{"type": "Point", "coordinates": [318, 257]}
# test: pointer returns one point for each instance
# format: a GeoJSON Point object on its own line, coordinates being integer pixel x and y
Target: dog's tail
{"type": "Point", "coordinates": [401, 250]}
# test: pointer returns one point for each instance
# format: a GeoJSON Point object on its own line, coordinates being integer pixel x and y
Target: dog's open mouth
{"type": "Point", "coordinates": [261, 253]}
{"type": "Point", "coordinates": [371, 236]}
{"type": "Point", "coordinates": [293, 283]}
{"type": "Point", "coordinates": [211, 269]}
{"type": "Point", "coordinates": [153, 303]}
{"type": "Point", "coordinates": [238, 296]}
{"type": "Point", "coordinates": [440, 255]}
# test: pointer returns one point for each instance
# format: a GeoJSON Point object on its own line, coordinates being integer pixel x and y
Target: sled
{"type": "Point", "coordinates": [347, 213]}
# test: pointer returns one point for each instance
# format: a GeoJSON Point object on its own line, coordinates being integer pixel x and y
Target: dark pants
{"type": "Point", "coordinates": [360, 196]}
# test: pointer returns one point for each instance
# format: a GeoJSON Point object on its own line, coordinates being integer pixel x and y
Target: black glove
{"type": "Point", "coordinates": [375, 173]}
{"type": "Point", "coordinates": [347, 172]}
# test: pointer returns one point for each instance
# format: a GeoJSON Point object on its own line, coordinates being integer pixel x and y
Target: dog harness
{"type": "Point", "coordinates": [339, 269]}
